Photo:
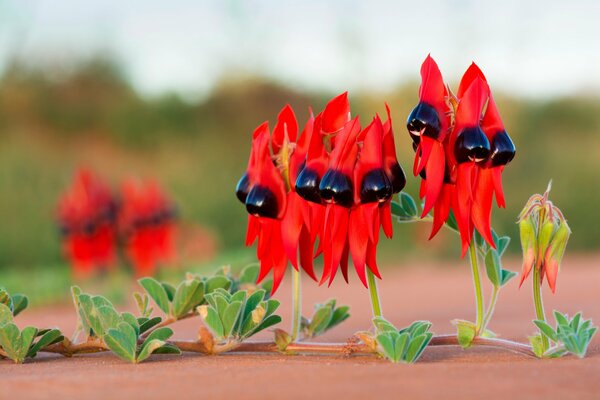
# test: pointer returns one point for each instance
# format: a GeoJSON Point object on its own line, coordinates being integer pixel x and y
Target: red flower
{"type": "Point", "coordinates": [463, 165]}
{"type": "Point", "coordinates": [333, 184]}
{"type": "Point", "coordinates": [86, 215]}
{"type": "Point", "coordinates": [279, 218]}
{"type": "Point", "coordinates": [147, 222]}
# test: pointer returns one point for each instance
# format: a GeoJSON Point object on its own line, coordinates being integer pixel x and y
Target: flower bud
{"type": "Point", "coordinates": [555, 252]}
{"type": "Point", "coordinates": [528, 244]}
{"type": "Point", "coordinates": [545, 235]}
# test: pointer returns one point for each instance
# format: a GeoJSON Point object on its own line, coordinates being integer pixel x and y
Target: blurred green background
{"type": "Point", "coordinates": [92, 111]}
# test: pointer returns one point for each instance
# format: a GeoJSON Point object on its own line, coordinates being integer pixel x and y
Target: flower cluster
{"type": "Point", "coordinates": [331, 184]}
{"type": "Point", "coordinates": [92, 219]}
{"type": "Point", "coordinates": [461, 149]}
{"type": "Point", "coordinates": [544, 235]}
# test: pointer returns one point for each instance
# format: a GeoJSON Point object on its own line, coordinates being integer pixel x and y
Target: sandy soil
{"type": "Point", "coordinates": [434, 292]}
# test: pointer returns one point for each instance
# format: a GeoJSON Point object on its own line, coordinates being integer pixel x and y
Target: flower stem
{"type": "Point", "coordinates": [488, 314]}
{"type": "Point", "coordinates": [373, 292]}
{"type": "Point", "coordinates": [477, 285]}
{"type": "Point", "coordinates": [296, 304]}
{"type": "Point", "coordinates": [539, 305]}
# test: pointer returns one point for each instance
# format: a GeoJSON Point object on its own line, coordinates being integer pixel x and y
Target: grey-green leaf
{"type": "Point", "coordinates": [157, 292]}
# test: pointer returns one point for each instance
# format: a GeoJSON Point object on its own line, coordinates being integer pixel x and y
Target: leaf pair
{"type": "Point", "coordinates": [16, 303]}
{"type": "Point", "coordinates": [405, 210]}
{"type": "Point", "coordinates": [176, 302]}
{"type": "Point", "coordinates": [238, 316]}
{"type": "Point", "coordinates": [326, 317]}
{"type": "Point", "coordinates": [493, 263]}
{"type": "Point", "coordinates": [123, 341]}
{"type": "Point", "coordinates": [19, 344]}
{"type": "Point", "coordinates": [405, 345]}
{"type": "Point", "coordinates": [570, 336]}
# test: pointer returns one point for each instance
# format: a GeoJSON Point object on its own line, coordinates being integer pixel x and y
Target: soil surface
{"type": "Point", "coordinates": [435, 292]}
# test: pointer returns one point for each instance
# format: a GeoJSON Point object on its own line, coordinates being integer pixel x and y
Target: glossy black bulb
{"type": "Point", "coordinates": [335, 187]}
{"type": "Point", "coordinates": [261, 202]}
{"type": "Point", "coordinates": [423, 120]}
{"type": "Point", "coordinates": [397, 178]}
{"type": "Point", "coordinates": [375, 187]}
{"type": "Point", "coordinates": [503, 149]}
{"type": "Point", "coordinates": [242, 188]}
{"type": "Point", "coordinates": [471, 145]}
{"type": "Point", "coordinates": [307, 185]}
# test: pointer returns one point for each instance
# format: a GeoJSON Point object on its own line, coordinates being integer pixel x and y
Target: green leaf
{"type": "Point", "coordinates": [149, 347]}
{"type": "Point", "coordinates": [108, 318]}
{"type": "Point", "coordinates": [401, 345]}
{"type": "Point", "coordinates": [131, 320]}
{"type": "Point", "coordinates": [20, 303]}
{"type": "Point", "coordinates": [320, 320]}
{"type": "Point", "coordinates": [339, 315]}
{"type": "Point", "coordinates": [506, 276]}
{"type": "Point", "coordinates": [49, 337]}
{"type": "Point", "coordinates": [157, 292]}
{"type": "Point", "coordinates": [217, 282]}
{"type": "Point", "coordinates": [408, 204]}
{"type": "Point", "coordinates": [249, 274]}
{"type": "Point", "coordinates": [189, 294]}
{"type": "Point", "coordinates": [6, 316]}
{"type": "Point", "coordinates": [230, 317]}
{"type": "Point", "coordinates": [561, 319]}
{"type": "Point", "coordinates": [212, 321]}
{"type": "Point", "coordinates": [575, 321]}
{"type": "Point", "coordinates": [537, 345]}
{"type": "Point", "coordinates": [267, 323]}
{"type": "Point", "coordinates": [465, 331]}
{"type": "Point", "coordinates": [149, 323]}
{"type": "Point", "coordinates": [282, 339]}
{"type": "Point", "coordinates": [387, 343]}
{"type": "Point", "coordinates": [382, 325]}
{"type": "Point", "coordinates": [502, 245]}
{"type": "Point", "coordinates": [492, 267]}
{"type": "Point", "coordinates": [10, 340]}
{"type": "Point", "coordinates": [6, 299]}
{"type": "Point", "coordinates": [122, 341]}
{"type": "Point", "coordinates": [163, 334]}
{"type": "Point", "coordinates": [253, 301]}
{"type": "Point", "coordinates": [416, 347]}
{"type": "Point", "coordinates": [167, 348]}
{"type": "Point", "coordinates": [170, 289]}
{"type": "Point", "coordinates": [451, 221]}
{"type": "Point", "coordinates": [27, 335]}
{"type": "Point", "coordinates": [546, 330]}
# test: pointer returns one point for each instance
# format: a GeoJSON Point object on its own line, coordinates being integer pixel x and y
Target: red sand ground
{"type": "Point", "coordinates": [433, 292]}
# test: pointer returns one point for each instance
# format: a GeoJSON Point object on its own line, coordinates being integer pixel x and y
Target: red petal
{"type": "Point", "coordinates": [372, 259]}
{"type": "Point", "coordinates": [434, 171]}
{"type": "Point", "coordinates": [336, 114]}
{"type": "Point", "coordinates": [497, 178]}
{"type": "Point", "coordinates": [481, 211]}
{"type": "Point", "coordinates": [442, 209]}
{"type": "Point", "coordinates": [286, 128]}
{"type": "Point", "coordinates": [306, 247]}
{"type": "Point", "coordinates": [471, 105]}
{"type": "Point", "coordinates": [358, 238]}
{"type": "Point", "coordinates": [385, 216]}
{"type": "Point", "coordinates": [291, 225]}
{"type": "Point", "coordinates": [472, 73]}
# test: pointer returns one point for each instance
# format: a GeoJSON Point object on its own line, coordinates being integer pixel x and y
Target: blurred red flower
{"type": "Point", "coordinates": [147, 222]}
{"type": "Point", "coordinates": [86, 215]}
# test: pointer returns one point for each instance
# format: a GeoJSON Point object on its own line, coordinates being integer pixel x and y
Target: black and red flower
{"type": "Point", "coordinates": [461, 150]}
{"type": "Point", "coordinates": [334, 184]}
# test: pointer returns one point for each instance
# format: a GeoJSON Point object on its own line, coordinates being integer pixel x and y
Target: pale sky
{"type": "Point", "coordinates": [526, 47]}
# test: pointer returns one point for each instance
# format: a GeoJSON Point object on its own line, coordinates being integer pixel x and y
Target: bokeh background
{"type": "Point", "coordinates": [172, 91]}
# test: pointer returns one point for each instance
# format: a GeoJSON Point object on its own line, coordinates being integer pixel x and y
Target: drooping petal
{"type": "Point", "coordinates": [481, 211]}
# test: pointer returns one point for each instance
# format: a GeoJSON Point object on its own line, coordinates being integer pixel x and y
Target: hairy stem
{"type": "Point", "coordinates": [374, 294]}
{"type": "Point", "coordinates": [490, 311]}
{"type": "Point", "coordinates": [296, 304]}
{"type": "Point", "coordinates": [539, 305]}
{"type": "Point", "coordinates": [477, 285]}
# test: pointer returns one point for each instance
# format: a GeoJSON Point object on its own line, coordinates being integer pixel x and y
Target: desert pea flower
{"type": "Point", "coordinates": [147, 223]}
{"type": "Point", "coordinates": [544, 235]}
{"type": "Point", "coordinates": [475, 147]}
{"type": "Point", "coordinates": [86, 215]}
{"type": "Point", "coordinates": [278, 217]}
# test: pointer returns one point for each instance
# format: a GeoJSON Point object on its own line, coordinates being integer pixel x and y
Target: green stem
{"type": "Point", "coordinates": [296, 305]}
{"type": "Point", "coordinates": [477, 284]}
{"type": "Point", "coordinates": [490, 310]}
{"type": "Point", "coordinates": [374, 295]}
{"type": "Point", "coordinates": [539, 305]}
